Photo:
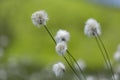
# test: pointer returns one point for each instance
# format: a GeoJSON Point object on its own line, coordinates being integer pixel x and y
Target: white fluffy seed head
{"type": "Point", "coordinates": [62, 35]}
{"type": "Point", "coordinates": [117, 56]}
{"type": "Point", "coordinates": [39, 18]}
{"type": "Point", "coordinates": [61, 48]}
{"type": "Point", "coordinates": [92, 28]}
{"type": "Point", "coordinates": [59, 69]}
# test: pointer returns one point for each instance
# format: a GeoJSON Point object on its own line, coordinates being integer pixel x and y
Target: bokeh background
{"type": "Point", "coordinates": [26, 46]}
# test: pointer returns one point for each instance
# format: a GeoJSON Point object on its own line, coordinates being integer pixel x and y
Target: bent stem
{"type": "Point", "coordinates": [107, 55]}
{"type": "Point", "coordinates": [77, 64]}
{"type": "Point", "coordinates": [101, 51]}
{"type": "Point", "coordinates": [108, 63]}
{"type": "Point", "coordinates": [71, 67]}
{"type": "Point", "coordinates": [50, 33]}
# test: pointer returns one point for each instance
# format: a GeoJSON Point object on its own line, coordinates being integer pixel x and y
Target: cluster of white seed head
{"type": "Point", "coordinates": [61, 38]}
{"type": "Point", "coordinates": [92, 28]}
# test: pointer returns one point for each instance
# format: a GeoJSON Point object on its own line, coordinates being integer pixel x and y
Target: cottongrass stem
{"type": "Point", "coordinates": [107, 56]}
{"type": "Point", "coordinates": [93, 29]}
{"type": "Point", "coordinates": [77, 75]}
{"type": "Point", "coordinates": [106, 61]}
{"type": "Point", "coordinates": [82, 72]}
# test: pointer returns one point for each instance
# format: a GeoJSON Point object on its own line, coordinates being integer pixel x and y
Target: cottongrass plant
{"type": "Point", "coordinates": [61, 47]}
{"type": "Point", "coordinates": [39, 18]}
{"type": "Point", "coordinates": [63, 36]}
{"type": "Point", "coordinates": [92, 29]}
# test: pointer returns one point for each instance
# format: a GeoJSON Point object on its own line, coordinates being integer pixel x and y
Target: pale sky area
{"type": "Point", "coordinates": [115, 3]}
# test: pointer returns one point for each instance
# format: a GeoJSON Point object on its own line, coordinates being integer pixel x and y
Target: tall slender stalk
{"type": "Point", "coordinates": [77, 64]}
{"type": "Point", "coordinates": [50, 33]}
{"type": "Point", "coordinates": [107, 61]}
{"type": "Point", "coordinates": [107, 55]}
{"type": "Point", "coordinates": [71, 67]}
{"type": "Point", "coordinates": [101, 51]}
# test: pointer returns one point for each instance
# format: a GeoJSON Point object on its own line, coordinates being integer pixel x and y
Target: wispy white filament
{"type": "Point", "coordinates": [62, 35]}
{"type": "Point", "coordinates": [61, 48]}
{"type": "Point", "coordinates": [59, 69]}
{"type": "Point", "coordinates": [39, 18]}
{"type": "Point", "coordinates": [92, 28]}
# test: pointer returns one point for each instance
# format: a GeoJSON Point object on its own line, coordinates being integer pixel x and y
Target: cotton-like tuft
{"type": "Point", "coordinates": [59, 69]}
{"type": "Point", "coordinates": [39, 18]}
{"type": "Point", "coordinates": [92, 28]}
{"type": "Point", "coordinates": [61, 48]}
{"type": "Point", "coordinates": [62, 35]}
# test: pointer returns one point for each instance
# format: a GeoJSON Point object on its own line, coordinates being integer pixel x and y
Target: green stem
{"type": "Point", "coordinates": [71, 67]}
{"type": "Point", "coordinates": [50, 33]}
{"type": "Point", "coordinates": [107, 55]}
{"type": "Point", "coordinates": [77, 64]}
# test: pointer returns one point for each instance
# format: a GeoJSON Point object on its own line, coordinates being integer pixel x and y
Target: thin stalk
{"type": "Point", "coordinates": [71, 67]}
{"type": "Point", "coordinates": [50, 33]}
{"type": "Point", "coordinates": [101, 51]}
{"type": "Point", "coordinates": [107, 55]}
{"type": "Point", "coordinates": [77, 64]}
{"type": "Point", "coordinates": [71, 60]}
{"type": "Point", "coordinates": [103, 54]}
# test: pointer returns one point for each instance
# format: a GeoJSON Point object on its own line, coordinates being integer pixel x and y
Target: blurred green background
{"type": "Point", "coordinates": [26, 41]}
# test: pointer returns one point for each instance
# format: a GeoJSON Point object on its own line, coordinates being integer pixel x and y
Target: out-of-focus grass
{"type": "Point", "coordinates": [28, 40]}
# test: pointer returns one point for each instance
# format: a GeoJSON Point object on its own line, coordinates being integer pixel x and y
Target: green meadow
{"type": "Point", "coordinates": [29, 41]}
